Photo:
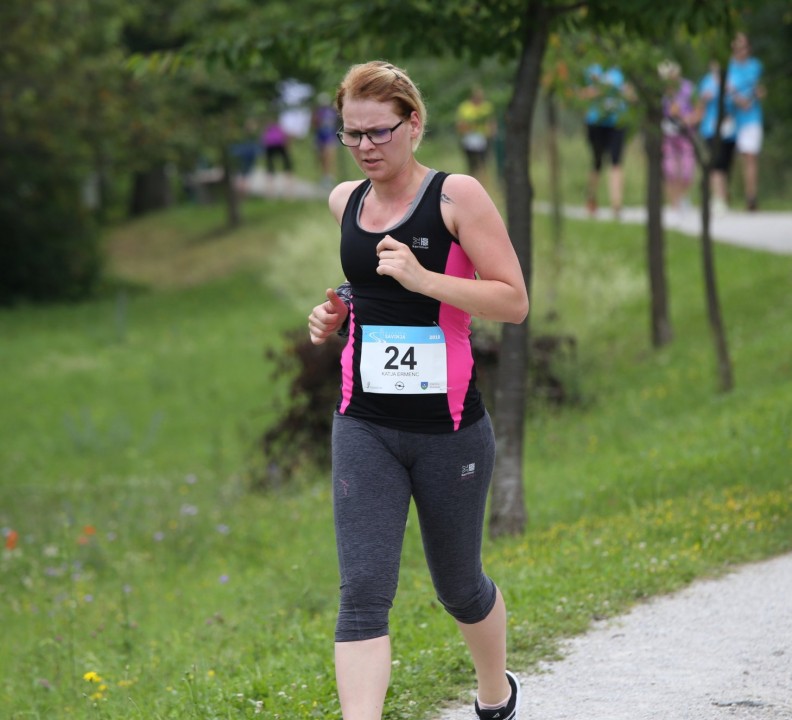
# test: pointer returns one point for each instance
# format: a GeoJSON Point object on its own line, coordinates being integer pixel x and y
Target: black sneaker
{"type": "Point", "coordinates": [510, 709]}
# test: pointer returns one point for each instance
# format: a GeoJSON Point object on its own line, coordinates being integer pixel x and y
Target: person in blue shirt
{"type": "Point", "coordinates": [606, 90]}
{"type": "Point", "coordinates": [743, 83]}
{"type": "Point", "coordinates": [707, 96]}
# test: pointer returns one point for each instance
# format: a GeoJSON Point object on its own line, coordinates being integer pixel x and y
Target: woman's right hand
{"type": "Point", "coordinates": [327, 318]}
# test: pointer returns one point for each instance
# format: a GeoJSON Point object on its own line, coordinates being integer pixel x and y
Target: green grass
{"type": "Point", "coordinates": [129, 430]}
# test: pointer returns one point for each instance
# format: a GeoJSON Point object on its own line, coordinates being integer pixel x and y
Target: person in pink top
{"type": "Point", "coordinates": [275, 143]}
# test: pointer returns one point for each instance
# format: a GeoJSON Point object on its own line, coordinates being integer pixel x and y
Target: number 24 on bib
{"type": "Point", "coordinates": [403, 360]}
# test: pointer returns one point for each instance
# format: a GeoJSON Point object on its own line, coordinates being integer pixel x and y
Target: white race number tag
{"type": "Point", "coordinates": [403, 360]}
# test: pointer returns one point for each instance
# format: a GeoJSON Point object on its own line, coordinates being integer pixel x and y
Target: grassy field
{"type": "Point", "coordinates": [141, 576]}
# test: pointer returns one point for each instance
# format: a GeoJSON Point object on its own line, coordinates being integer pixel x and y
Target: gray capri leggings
{"type": "Point", "coordinates": [376, 470]}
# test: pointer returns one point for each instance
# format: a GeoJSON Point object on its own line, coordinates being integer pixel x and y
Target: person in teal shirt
{"type": "Point", "coordinates": [745, 89]}
{"type": "Point", "coordinates": [606, 91]}
{"type": "Point", "coordinates": [707, 97]}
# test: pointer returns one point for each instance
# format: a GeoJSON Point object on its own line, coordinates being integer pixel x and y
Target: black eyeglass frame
{"type": "Point", "coordinates": [340, 135]}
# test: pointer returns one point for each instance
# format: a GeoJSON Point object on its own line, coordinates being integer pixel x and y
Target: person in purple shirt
{"type": "Point", "coordinates": [679, 157]}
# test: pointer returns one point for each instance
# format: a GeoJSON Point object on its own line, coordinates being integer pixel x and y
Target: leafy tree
{"type": "Point", "coordinates": [161, 117]}
{"type": "Point", "coordinates": [769, 27]}
{"type": "Point", "coordinates": [515, 31]}
{"type": "Point", "coordinates": [53, 59]}
{"type": "Point", "coordinates": [228, 60]}
{"type": "Point", "coordinates": [639, 59]}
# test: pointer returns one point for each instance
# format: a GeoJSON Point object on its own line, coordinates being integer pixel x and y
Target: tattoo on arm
{"type": "Point", "coordinates": [445, 199]}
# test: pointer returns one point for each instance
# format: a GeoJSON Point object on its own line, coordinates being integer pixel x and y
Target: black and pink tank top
{"type": "Point", "coordinates": [408, 362]}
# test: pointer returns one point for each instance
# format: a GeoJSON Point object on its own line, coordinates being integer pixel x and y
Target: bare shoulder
{"type": "Point", "coordinates": [339, 196]}
{"type": "Point", "coordinates": [463, 202]}
{"type": "Point", "coordinates": [461, 189]}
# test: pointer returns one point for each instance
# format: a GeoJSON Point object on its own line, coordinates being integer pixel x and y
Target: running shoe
{"type": "Point", "coordinates": [510, 709]}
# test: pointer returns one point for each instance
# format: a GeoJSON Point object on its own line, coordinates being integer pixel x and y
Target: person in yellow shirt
{"type": "Point", "coordinates": [476, 126]}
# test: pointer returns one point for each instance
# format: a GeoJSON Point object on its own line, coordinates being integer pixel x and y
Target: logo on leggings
{"type": "Point", "coordinates": [468, 470]}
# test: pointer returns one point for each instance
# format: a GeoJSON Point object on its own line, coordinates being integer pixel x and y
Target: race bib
{"type": "Point", "coordinates": [403, 360]}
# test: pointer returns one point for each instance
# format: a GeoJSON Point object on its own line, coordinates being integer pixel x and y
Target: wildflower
{"type": "Point", "coordinates": [92, 676]}
{"type": "Point", "coordinates": [11, 539]}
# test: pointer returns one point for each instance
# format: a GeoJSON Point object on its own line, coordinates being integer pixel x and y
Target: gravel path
{"type": "Point", "coordinates": [718, 650]}
{"type": "Point", "coordinates": [766, 231]}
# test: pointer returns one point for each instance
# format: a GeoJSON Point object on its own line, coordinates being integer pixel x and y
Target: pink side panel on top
{"type": "Point", "coordinates": [455, 324]}
{"type": "Point", "coordinates": [346, 364]}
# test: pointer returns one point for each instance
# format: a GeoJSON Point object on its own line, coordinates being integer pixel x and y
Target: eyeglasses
{"type": "Point", "coordinates": [378, 136]}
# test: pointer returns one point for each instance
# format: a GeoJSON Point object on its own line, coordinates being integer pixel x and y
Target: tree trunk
{"type": "Point", "coordinates": [233, 215]}
{"type": "Point", "coordinates": [556, 204]}
{"type": "Point", "coordinates": [705, 162]}
{"type": "Point", "coordinates": [151, 190]}
{"type": "Point", "coordinates": [658, 288]}
{"type": "Point", "coordinates": [507, 509]}
{"type": "Point", "coordinates": [725, 378]}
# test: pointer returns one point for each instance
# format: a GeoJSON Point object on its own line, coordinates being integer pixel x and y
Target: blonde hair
{"type": "Point", "coordinates": [379, 80]}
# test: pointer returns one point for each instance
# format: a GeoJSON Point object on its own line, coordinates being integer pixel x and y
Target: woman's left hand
{"type": "Point", "coordinates": [397, 261]}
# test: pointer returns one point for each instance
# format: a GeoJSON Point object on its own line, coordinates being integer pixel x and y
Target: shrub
{"type": "Point", "coordinates": [49, 247]}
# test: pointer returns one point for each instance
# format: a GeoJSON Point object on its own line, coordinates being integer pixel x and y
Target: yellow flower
{"type": "Point", "coordinates": [92, 676]}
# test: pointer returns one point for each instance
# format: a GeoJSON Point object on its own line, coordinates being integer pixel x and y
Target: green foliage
{"type": "Point", "coordinates": [769, 28]}
{"type": "Point", "coordinates": [142, 579]}
{"type": "Point", "coordinates": [49, 248]}
{"type": "Point", "coordinates": [52, 80]}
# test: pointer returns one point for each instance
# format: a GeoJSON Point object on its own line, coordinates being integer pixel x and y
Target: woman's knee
{"type": "Point", "coordinates": [362, 614]}
{"type": "Point", "coordinates": [469, 605]}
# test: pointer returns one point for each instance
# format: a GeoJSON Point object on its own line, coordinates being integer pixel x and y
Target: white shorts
{"type": "Point", "coordinates": [749, 139]}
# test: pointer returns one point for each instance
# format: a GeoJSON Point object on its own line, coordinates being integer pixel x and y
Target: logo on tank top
{"type": "Point", "coordinates": [420, 243]}
{"type": "Point", "coordinates": [468, 470]}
